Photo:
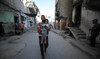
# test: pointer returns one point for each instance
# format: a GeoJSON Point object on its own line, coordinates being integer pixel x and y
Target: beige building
{"type": "Point", "coordinates": [65, 11]}
{"type": "Point", "coordinates": [12, 11]}
{"type": "Point", "coordinates": [32, 11]}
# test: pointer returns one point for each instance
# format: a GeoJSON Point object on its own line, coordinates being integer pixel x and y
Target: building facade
{"type": "Point", "coordinates": [64, 9]}
{"type": "Point", "coordinates": [80, 12]}
{"type": "Point", "coordinates": [90, 10]}
{"type": "Point", "coordinates": [14, 12]}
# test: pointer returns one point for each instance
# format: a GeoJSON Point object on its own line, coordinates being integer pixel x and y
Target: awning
{"type": "Point", "coordinates": [31, 15]}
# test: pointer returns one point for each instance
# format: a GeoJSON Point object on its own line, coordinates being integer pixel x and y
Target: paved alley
{"type": "Point", "coordinates": [27, 47]}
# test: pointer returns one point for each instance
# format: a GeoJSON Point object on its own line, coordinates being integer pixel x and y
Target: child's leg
{"type": "Point", "coordinates": [45, 41]}
{"type": "Point", "coordinates": [42, 41]}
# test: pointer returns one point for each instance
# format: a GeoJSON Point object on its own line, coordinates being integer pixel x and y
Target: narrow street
{"type": "Point", "coordinates": [74, 25]}
{"type": "Point", "coordinates": [28, 46]}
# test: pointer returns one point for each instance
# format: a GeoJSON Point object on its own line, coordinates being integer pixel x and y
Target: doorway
{"type": "Point", "coordinates": [77, 16]}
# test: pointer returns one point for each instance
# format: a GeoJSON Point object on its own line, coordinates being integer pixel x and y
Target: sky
{"type": "Point", "coordinates": [46, 7]}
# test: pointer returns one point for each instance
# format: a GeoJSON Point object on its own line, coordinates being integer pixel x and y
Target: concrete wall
{"type": "Point", "coordinates": [65, 7]}
{"type": "Point", "coordinates": [63, 24]}
{"type": "Point", "coordinates": [9, 18]}
{"type": "Point", "coordinates": [86, 19]}
{"type": "Point", "coordinates": [10, 9]}
{"type": "Point", "coordinates": [17, 4]}
{"type": "Point", "coordinates": [56, 24]}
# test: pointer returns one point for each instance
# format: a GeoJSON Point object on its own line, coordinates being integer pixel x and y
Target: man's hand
{"type": "Point", "coordinates": [39, 30]}
{"type": "Point", "coordinates": [48, 29]}
{"type": "Point", "coordinates": [92, 29]}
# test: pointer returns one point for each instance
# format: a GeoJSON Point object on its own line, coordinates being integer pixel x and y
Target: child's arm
{"type": "Point", "coordinates": [48, 29]}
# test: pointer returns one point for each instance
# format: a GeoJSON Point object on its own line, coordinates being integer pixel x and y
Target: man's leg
{"type": "Point", "coordinates": [22, 30]}
{"type": "Point", "coordinates": [41, 49]}
{"type": "Point", "coordinates": [46, 45]}
{"type": "Point", "coordinates": [93, 44]}
{"type": "Point", "coordinates": [41, 46]}
{"type": "Point", "coordinates": [93, 40]}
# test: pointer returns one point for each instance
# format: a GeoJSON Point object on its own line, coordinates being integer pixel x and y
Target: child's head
{"type": "Point", "coordinates": [47, 21]}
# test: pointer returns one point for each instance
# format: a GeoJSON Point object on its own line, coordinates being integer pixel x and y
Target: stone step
{"type": "Point", "coordinates": [77, 33]}
{"type": "Point", "coordinates": [81, 33]}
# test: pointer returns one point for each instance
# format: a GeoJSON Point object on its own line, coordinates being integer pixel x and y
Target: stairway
{"type": "Point", "coordinates": [77, 33]}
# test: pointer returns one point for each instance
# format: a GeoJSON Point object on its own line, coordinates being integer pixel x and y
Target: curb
{"type": "Point", "coordinates": [79, 45]}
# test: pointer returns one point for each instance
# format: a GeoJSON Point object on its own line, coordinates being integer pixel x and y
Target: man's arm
{"type": "Point", "coordinates": [92, 29]}
{"type": "Point", "coordinates": [39, 29]}
{"type": "Point", "coordinates": [48, 29]}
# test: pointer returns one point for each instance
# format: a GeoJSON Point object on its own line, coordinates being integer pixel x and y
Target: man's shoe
{"type": "Point", "coordinates": [92, 45]}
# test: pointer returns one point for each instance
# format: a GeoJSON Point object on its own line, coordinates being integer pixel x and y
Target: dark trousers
{"type": "Point", "coordinates": [41, 45]}
{"type": "Point", "coordinates": [2, 31]}
{"type": "Point", "coordinates": [93, 40]}
{"type": "Point", "coordinates": [22, 29]}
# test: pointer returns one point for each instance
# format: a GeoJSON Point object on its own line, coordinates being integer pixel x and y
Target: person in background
{"type": "Point", "coordinates": [94, 32]}
{"type": "Point", "coordinates": [22, 27]}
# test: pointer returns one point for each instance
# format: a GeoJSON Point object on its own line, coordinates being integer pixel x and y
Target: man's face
{"type": "Point", "coordinates": [94, 22]}
{"type": "Point", "coordinates": [42, 18]}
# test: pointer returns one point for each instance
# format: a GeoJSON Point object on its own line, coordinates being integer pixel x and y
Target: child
{"type": "Point", "coordinates": [47, 23]}
{"type": "Point", "coordinates": [44, 31]}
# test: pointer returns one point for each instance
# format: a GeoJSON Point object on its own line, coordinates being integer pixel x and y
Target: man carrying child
{"type": "Point", "coordinates": [43, 30]}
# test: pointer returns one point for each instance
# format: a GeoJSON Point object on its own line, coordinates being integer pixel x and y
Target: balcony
{"type": "Point", "coordinates": [32, 12]}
